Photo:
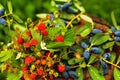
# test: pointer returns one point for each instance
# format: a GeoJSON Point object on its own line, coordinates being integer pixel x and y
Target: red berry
{"type": "Point", "coordinates": [61, 68]}
{"type": "Point", "coordinates": [29, 33]}
{"type": "Point", "coordinates": [40, 71]}
{"type": "Point", "coordinates": [41, 27]}
{"type": "Point", "coordinates": [44, 32]}
{"type": "Point", "coordinates": [27, 45]}
{"type": "Point", "coordinates": [37, 62]}
{"type": "Point", "coordinates": [20, 40]}
{"type": "Point", "coordinates": [43, 62]}
{"type": "Point", "coordinates": [28, 60]}
{"type": "Point", "coordinates": [48, 54]}
{"type": "Point", "coordinates": [59, 39]}
{"type": "Point", "coordinates": [24, 68]}
{"type": "Point", "coordinates": [33, 75]}
{"type": "Point", "coordinates": [34, 42]}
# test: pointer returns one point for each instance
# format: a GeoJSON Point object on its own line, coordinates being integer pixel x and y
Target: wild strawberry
{"type": "Point", "coordinates": [59, 39]}
{"type": "Point", "coordinates": [33, 76]}
{"type": "Point", "coordinates": [28, 60]}
{"type": "Point", "coordinates": [41, 27]}
{"type": "Point", "coordinates": [27, 45]}
{"type": "Point", "coordinates": [44, 32]}
{"type": "Point", "coordinates": [37, 62]}
{"type": "Point", "coordinates": [43, 62]}
{"type": "Point", "coordinates": [48, 54]}
{"type": "Point", "coordinates": [34, 42]}
{"type": "Point", "coordinates": [29, 33]}
{"type": "Point", "coordinates": [20, 40]}
{"type": "Point", "coordinates": [40, 71]}
{"type": "Point", "coordinates": [24, 68]}
{"type": "Point", "coordinates": [61, 68]}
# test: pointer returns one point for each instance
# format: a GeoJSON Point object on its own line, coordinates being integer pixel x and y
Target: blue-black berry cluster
{"type": "Point", "coordinates": [69, 73]}
{"type": "Point", "coordinates": [66, 8]}
{"type": "Point", "coordinates": [104, 65]}
{"type": "Point", "coordinates": [116, 34]}
{"type": "Point", "coordinates": [96, 31]}
{"type": "Point", "coordinates": [2, 20]}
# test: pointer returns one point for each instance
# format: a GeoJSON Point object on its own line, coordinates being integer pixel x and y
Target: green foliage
{"type": "Point", "coordinates": [99, 39]}
{"type": "Point", "coordinates": [116, 74]}
{"type": "Point", "coordinates": [14, 76]}
{"type": "Point", "coordinates": [79, 72]}
{"type": "Point", "coordinates": [85, 30]}
{"type": "Point", "coordinates": [5, 55]}
{"type": "Point", "coordinates": [74, 61]}
{"type": "Point", "coordinates": [94, 73]}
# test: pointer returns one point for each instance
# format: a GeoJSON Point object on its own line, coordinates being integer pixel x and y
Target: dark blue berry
{"type": "Point", "coordinates": [96, 31]}
{"type": "Point", "coordinates": [51, 17]}
{"type": "Point", "coordinates": [117, 33]}
{"type": "Point", "coordinates": [67, 67]}
{"type": "Point", "coordinates": [3, 21]}
{"type": "Point", "coordinates": [96, 50]}
{"type": "Point", "coordinates": [86, 55]}
{"type": "Point", "coordinates": [65, 75]}
{"type": "Point", "coordinates": [84, 45]}
{"type": "Point", "coordinates": [107, 56]}
{"type": "Point", "coordinates": [1, 12]}
{"type": "Point", "coordinates": [104, 66]}
{"type": "Point", "coordinates": [72, 49]}
{"type": "Point", "coordinates": [117, 38]}
{"type": "Point", "coordinates": [113, 29]}
{"type": "Point", "coordinates": [72, 74]}
{"type": "Point", "coordinates": [66, 6]}
{"type": "Point", "coordinates": [90, 39]}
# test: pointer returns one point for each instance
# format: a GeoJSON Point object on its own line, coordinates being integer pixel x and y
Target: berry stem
{"type": "Point", "coordinates": [110, 63]}
{"type": "Point", "coordinates": [5, 15]}
{"type": "Point", "coordinates": [72, 20]}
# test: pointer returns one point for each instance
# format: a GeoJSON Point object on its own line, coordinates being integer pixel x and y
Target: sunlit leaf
{"type": "Point", "coordinates": [17, 18]}
{"type": "Point", "coordinates": [113, 57]}
{"type": "Point", "coordinates": [79, 72]}
{"type": "Point", "coordinates": [14, 76]}
{"type": "Point", "coordinates": [116, 74]}
{"type": "Point", "coordinates": [94, 73]}
{"type": "Point", "coordinates": [9, 4]}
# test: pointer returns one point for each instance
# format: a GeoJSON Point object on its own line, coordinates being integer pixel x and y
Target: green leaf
{"type": "Point", "coordinates": [60, 22]}
{"type": "Point", "coordinates": [74, 61]}
{"type": "Point", "coordinates": [92, 59]}
{"type": "Point", "coordinates": [41, 15]}
{"type": "Point", "coordinates": [108, 45]}
{"type": "Point", "coordinates": [83, 65]}
{"type": "Point", "coordinates": [70, 37]}
{"type": "Point", "coordinates": [94, 73]}
{"type": "Point", "coordinates": [99, 39]}
{"type": "Point", "coordinates": [14, 76]}
{"type": "Point", "coordinates": [86, 18]}
{"type": "Point", "coordinates": [19, 27]}
{"type": "Point", "coordinates": [81, 8]}
{"type": "Point", "coordinates": [113, 57]}
{"type": "Point", "coordinates": [66, 16]}
{"type": "Point", "coordinates": [5, 55]}
{"type": "Point", "coordinates": [9, 4]}
{"type": "Point", "coordinates": [17, 18]}
{"type": "Point", "coordinates": [56, 45]}
{"type": "Point", "coordinates": [116, 74]}
{"type": "Point", "coordinates": [118, 60]}
{"type": "Point", "coordinates": [114, 21]}
{"type": "Point", "coordinates": [79, 72]}
{"type": "Point", "coordinates": [85, 30]}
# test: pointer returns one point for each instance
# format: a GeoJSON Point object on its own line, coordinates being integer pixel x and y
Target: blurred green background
{"type": "Point", "coordinates": [29, 8]}
{"type": "Point", "coordinates": [102, 8]}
